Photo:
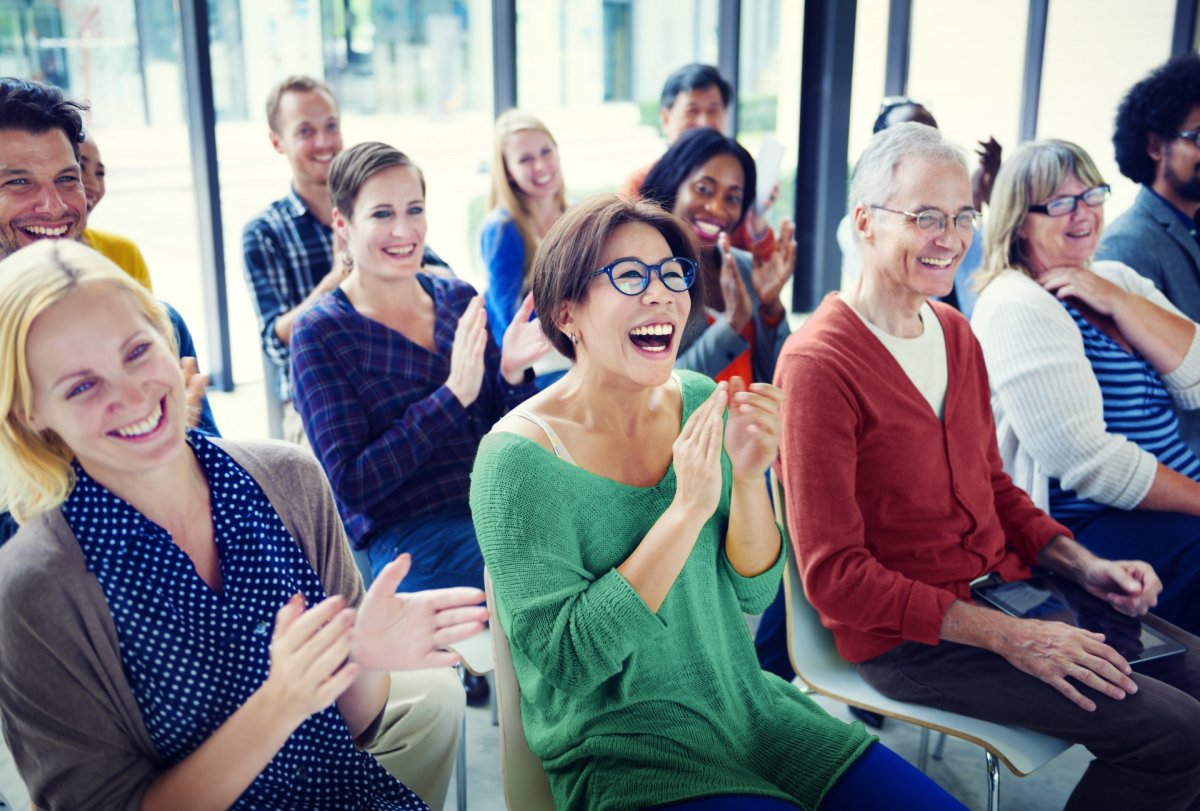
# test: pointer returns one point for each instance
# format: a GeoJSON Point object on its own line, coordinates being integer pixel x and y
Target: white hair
{"type": "Point", "coordinates": [871, 184]}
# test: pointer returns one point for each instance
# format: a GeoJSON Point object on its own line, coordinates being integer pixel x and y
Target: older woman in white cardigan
{"type": "Point", "coordinates": [1088, 362]}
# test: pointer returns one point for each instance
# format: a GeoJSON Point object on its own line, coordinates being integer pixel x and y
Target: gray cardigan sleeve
{"type": "Point", "coordinates": [716, 347]}
{"type": "Point", "coordinates": [73, 725]}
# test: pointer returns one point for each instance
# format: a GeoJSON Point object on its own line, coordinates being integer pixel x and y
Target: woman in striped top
{"type": "Point", "coordinates": [1088, 362]}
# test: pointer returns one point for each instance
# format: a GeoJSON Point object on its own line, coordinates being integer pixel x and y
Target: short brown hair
{"type": "Point", "coordinates": [358, 164]}
{"type": "Point", "coordinates": [571, 251]}
{"type": "Point", "coordinates": [293, 84]}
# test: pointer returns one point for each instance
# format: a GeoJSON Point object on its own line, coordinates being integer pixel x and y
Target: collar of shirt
{"type": "Point", "coordinates": [1188, 222]}
{"type": "Point", "coordinates": [107, 524]}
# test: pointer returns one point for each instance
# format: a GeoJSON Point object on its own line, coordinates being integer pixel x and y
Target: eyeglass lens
{"type": "Point", "coordinates": [932, 221]}
{"type": "Point", "coordinates": [1061, 206]}
{"type": "Point", "coordinates": [632, 277]}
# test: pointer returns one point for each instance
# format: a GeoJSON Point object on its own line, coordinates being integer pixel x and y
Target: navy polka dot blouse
{"type": "Point", "coordinates": [193, 656]}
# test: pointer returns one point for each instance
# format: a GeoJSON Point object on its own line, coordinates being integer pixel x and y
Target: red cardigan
{"type": "Point", "coordinates": [891, 511]}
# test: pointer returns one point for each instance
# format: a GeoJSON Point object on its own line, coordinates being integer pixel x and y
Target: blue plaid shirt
{"type": "Point", "coordinates": [286, 252]}
{"type": "Point", "coordinates": [394, 441]}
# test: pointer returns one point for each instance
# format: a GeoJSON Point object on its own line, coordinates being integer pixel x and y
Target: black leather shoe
{"type": "Point", "coordinates": [871, 719]}
{"type": "Point", "coordinates": [477, 690]}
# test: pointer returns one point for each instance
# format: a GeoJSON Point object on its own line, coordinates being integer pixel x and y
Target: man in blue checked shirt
{"type": "Point", "coordinates": [292, 257]}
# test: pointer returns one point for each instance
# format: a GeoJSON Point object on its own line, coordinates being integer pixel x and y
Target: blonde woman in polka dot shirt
{"type": "Point", "coordinates": [183, 624]}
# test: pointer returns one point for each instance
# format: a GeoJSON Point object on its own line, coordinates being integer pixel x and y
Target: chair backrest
{"type": "Point", "coordinates": [526, 787]}
{"type": "Point", "coordinates": [817, 662]}
{"type": "Point", "coordinates": [810, 644]}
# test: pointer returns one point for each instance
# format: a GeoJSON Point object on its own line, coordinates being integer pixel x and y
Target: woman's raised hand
{"type": "Point", "coordinates": [524, 343]}
{"type": "Point", "coordinates": [697, 456]}
{"type": "Point", "coordinates": [467, 354]}
{"type": "Point", "coordinates": [1071, 282]}
{"type": "Point", "coordinates": [412, 631]}
{"type": "Point", "coordinates": [309, 653]}
{"type": "Point", "coordinates": [752, 431]}
{"type": "Point", "coordinates": [770, 276]}
{"type": "Point", "coordinates": [738, 306]}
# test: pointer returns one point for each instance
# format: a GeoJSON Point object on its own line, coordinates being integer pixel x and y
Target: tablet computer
{"type": "Point", "coordinates": [1047, 596]}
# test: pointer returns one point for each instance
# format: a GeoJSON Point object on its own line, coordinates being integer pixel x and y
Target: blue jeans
{"type": "Point", "coordinates": [443, 548]}
{"type": "Point", "coordinates": [1170, 542]}
{"type": "Point", "coordinates": [878, 779]}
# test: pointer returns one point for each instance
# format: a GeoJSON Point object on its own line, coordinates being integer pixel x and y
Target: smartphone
{"type": "Point", "coordinates": [770, 156]}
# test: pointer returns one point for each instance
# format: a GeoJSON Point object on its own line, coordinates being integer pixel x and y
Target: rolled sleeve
{"type": "Point", "coordinates": [755, 593]}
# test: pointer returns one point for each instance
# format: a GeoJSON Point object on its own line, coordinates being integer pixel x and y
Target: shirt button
{"type": "Point", "coordinates": [301, 774]}
{"type": "Point", "coordinates": [262, 629]}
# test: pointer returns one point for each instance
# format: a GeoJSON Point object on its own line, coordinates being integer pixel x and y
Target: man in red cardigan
{"type": "Point", "coordinates": [897, 500]}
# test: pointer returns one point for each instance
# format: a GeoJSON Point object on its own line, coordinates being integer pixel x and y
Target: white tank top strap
{"type": "Point", "coordinates": [556, 443]}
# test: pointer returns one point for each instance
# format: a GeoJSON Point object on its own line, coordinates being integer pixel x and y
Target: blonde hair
{"type": "Point", "coordinates": [1031, 176]}
{"type": "Point", "coordinates": [35, 467]}
{"type": "Point", "coordinates": [505, 194]}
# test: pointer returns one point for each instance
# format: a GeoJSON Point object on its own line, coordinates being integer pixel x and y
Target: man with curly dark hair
{"type": "Point", "coordinates": [1157, 143]}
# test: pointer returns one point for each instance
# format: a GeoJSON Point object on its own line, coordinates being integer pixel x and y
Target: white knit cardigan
{"type": "Point", "coordinates": [1047, 402]}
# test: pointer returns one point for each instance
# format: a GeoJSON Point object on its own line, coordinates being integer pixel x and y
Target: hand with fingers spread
{"type": "Point", "coordinates": [467, 355]}
{"type": "Point", "coordinates": [738, 306]}
{"type": "Point", "coordinates": [194, 387]}
{"type": "Point", "coordinates": [412, 631]}
{"type": "Point", "coordinates": [1062, 655]}
{"type": "Point", "coordinates": [770, 276]}
{"type": "Point", "coordinates": [524, 343]}
{"type": "Point", "coordinates": [1085, 286]}
{"type": "Point", "coordinates": [309, 653]}
{"type": "Point", "coordinates": [697, 456]}
{"type": "Point", "coordinates": [752, 430]}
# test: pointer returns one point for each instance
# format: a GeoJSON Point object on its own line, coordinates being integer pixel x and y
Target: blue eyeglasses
{"type": "Point", "coordinates": [632, 276]}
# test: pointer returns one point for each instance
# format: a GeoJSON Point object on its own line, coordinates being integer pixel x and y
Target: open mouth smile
{"type": "Point", "coordinates": [46, 231]}
{"type": "Point", "coordinates": [654, 339]}
{"type": "Point", "coordinates": [143, 427]}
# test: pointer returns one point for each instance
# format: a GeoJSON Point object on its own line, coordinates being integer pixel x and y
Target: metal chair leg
{"type": "Point", "coordinates": [923, 751]}
{"type": "Point", "coordinates": [941, 746]}
{"type": "Point", "coordinates": [495, 703]}
{"type": "Point", "coordinates": [460, 760]}
{"type": "Point", "coordinates": [993, 782]}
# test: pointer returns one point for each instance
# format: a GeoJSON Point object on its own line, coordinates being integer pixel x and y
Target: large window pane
{"type": "Point", "coordinates": [1088, 68]}
{"type": "Point", "coordinates": [970, 82]}
{"type": "Point", "coordinates": [768, 98]}
{"type": "Point", "coordinates": [870, 66]}
{"type": "Point", "coordinates": [593, 71]}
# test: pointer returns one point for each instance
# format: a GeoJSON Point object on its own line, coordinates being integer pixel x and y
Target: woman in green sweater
{"type": "Point", "coordinates": [626, 539]}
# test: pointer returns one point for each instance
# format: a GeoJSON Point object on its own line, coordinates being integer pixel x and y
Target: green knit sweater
{"type": "Point", "coordinates": [627, 708]}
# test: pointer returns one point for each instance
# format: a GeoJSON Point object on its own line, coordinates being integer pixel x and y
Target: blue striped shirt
{"type": "Point", "coordinates": [1137, 405]}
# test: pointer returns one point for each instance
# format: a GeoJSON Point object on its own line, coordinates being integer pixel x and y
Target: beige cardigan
{"type": "Point", "coordinates": [68, 713]}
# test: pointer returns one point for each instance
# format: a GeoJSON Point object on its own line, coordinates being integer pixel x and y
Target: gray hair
{"type": "Point", "coordinates": [1031, 175]}
{"type": "Point", "coordinates": [872, 180]}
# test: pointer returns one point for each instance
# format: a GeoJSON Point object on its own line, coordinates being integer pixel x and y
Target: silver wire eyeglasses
{"type": "Point", "coordinates": [631, 276]}
{"type": "Point", "coordinates": [1062, 206]}
{"type": "Point", "coordinates": [932, 221]}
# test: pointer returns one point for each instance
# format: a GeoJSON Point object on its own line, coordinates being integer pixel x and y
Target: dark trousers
{"type": "Point", "coordinates": [444, 551]}
{"type": "Point", "coordinates": [1147, 746]}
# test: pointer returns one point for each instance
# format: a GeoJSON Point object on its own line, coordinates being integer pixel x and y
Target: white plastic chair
{"type": "Point", "coordinates": [818, 664]}
{"type": "Point", "coordinates": [476, 654]}
{"type": "Point", "coordinates": [526, 787]}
